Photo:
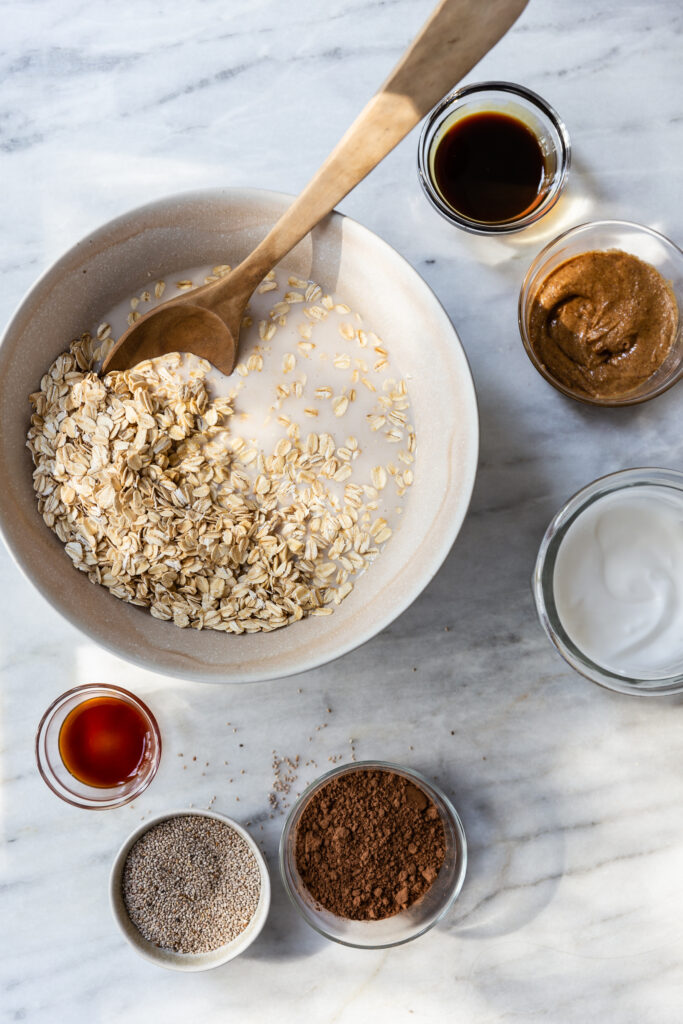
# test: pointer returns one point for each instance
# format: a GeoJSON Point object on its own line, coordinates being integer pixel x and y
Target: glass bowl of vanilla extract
{"type": "Point", "coordinates": [98, 746]}
{"type": "Point", "coordinates": [493, 157]}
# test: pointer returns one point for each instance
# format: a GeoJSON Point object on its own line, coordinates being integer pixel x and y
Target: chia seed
{"type": "Point", "coordinates": [191, 884]}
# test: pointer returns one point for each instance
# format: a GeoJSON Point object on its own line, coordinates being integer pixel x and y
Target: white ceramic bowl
{"type": "Point", "coordinates": [218, 226]}
{"type": "Point", "coordinates": [167, 957]}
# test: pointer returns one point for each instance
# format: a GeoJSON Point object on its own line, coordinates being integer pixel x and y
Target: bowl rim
{"type": "Point", "coordinates": [450, 530]}
{"type": "Point", "coordinates": [609, 483]}
{"type": "Point", "coordinates": [45, 768]}
{"type": "Point", "coordinates": [524, 295]}
{"type": "Point", "coordinates": [431, 788]}
{"type": "Point", "coordinates": [195, 961]}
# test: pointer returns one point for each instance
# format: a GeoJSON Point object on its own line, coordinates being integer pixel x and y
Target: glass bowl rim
{"type": "Point", "coordinates": [45, 768]}
{"type": "Point", "coordinates": [534, 268]}
{"type": "Point", "coordinates": [438, 114]}
{"type": "Point", "coordinates": [609, 483]}
{"type": "Point", "coordinates": [424, 783]}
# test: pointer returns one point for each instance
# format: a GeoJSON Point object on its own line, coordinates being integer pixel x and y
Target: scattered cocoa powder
{"type": "Point", "coordinates": [369, 844]}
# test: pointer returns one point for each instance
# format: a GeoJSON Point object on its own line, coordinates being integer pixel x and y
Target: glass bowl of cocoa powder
{"type": "Point", "coordinates": [373, 854]}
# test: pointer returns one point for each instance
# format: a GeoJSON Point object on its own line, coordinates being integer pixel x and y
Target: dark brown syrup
{"type": "Point", "coordinates": [489, 167]}
{"type": "Point", "coordinates": [103, 742]}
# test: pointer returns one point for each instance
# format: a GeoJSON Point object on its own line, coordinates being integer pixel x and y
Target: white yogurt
{"type": "Point", "coordinates": [618, 582]}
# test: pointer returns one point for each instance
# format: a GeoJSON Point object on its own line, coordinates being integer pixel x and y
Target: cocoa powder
{"type": "Point", "coordinates": [369, 844]}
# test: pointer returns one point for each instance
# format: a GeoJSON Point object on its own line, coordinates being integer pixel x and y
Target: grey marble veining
{"type": "Point", "coordinates": [570, 795]}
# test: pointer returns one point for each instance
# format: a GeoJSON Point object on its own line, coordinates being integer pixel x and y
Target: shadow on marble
{"type": "Point", "coordinates": [503, 528]}
{"type": "Point", "coordinates": [286, 936]}
{"type": "Point", "coordinates": [497, 251]}
{"type": "Point", "coordinates": [639, 427]}
{"type": "Point", "coordinates": [516, 859]}
{"type": "Point", "coordinates": [581, 201]}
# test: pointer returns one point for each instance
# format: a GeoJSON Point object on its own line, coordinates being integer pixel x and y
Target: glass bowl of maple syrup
{"type": "Point", "coordinates": [493, 158]}
{"type": "Point", "coordinates": [98, 746]}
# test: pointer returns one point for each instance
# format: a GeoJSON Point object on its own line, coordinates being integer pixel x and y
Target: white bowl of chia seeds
{"type": "Point", "coordinates": [190, 890]}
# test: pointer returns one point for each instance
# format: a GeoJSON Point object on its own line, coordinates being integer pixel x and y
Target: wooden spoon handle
{"type": "Point", "coordinates": [457, 35]}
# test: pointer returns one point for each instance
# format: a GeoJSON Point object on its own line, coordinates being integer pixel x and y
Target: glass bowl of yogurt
{"type": "Point", "coordinates": [608, 581]}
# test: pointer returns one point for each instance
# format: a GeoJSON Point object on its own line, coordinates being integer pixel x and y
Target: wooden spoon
{"type": "Point", "coordinates": [207, 321]}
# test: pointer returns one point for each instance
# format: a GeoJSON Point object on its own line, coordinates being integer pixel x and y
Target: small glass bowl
{"type": "Point", "coordinates": [406, 925]}
{"type": "Point", "coordinates": [645, 243]}
{"type": "Point", "coordinates": [503, 98]}
{"type": "Point", "coordinates": [59, 778]}
{"type": "Point", "coordinates": [544, 570]}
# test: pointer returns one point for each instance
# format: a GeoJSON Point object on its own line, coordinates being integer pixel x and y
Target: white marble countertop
{"type": "Point", "coordinates": [571, 911]}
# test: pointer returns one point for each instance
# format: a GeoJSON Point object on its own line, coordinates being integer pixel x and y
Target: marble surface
{"type": "Point", "coordinates": [570, 795]}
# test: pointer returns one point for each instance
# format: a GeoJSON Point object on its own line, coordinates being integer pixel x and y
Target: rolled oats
{"type": "Point", "coordinates": [156, 494]}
